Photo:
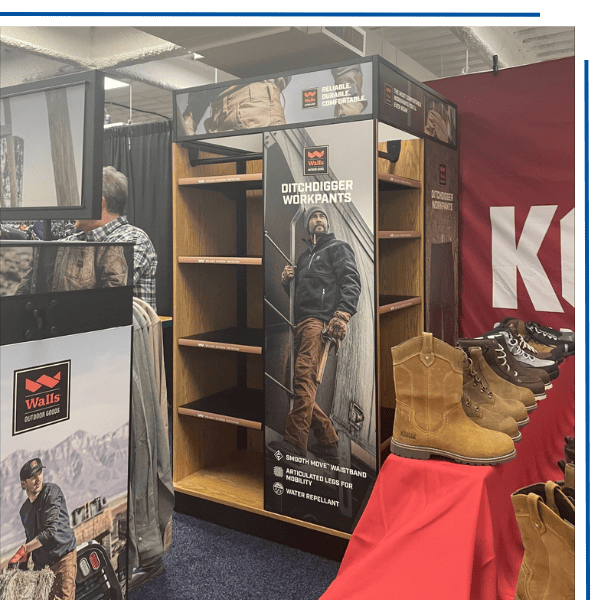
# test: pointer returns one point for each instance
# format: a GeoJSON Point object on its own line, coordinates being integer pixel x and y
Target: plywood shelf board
{"type": "Point", "coordinates": [221, 260]}
{"type": "Point", "coordinates": [388, 181]}
{"type": "Point", "coordinates": [388, 303]}
{"type": "Point", "coordinates": [393, 235]}
{"type": "Point", "coordinates": [236, 339]}
{"type": "Point", "coordinates": [250, 181]}
{"type": "Point", "coordinates": [236, 406]}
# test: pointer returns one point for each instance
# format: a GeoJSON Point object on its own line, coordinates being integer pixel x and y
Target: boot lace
{"type": "Point", "coordinates": [503, 362]}
{"type": "Point", "coordinates": [541, 332]}
{"type": "Point", "coordinates": [525, 346]}
{"type": "Point", "coordinates": [477, 383]}
{"type": "Point", "coordinates": [517, 350]}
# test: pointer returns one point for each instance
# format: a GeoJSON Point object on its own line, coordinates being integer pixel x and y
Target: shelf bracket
{"type": "Point", "coordinates": [393, 151]}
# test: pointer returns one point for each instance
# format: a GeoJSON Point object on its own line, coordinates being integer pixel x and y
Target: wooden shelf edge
{"type": "Point", "coordinates": [203, 414]}
{"type": "Point", "coordinates": [393, 235]}
{"type": "Point", "coordinates": [225, 346]}
{"type": "Point", "coordinates": [261, 511]}
{"type": "Point", "coordinates": [387, 308]}
{"type": "Point", "coordinates": [401, 182]}
{"type": "Point", "coordinates": [221, 260]}
{"type": "Point", "coordinates": [246, 178]}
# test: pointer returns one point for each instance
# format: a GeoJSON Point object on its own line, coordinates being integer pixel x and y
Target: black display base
{"type": "Point", "coordinates": [267, 528]}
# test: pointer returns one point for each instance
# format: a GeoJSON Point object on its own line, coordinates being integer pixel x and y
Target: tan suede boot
{"type": "Point", "coordinates": [501, 386]}
{"type": "Point", "coordinates": [478, 391]}
{"type": "Point", "coordinates": [483, 416]}
{"type": "Point", "coordinates": [429, 416]}
{"type": "Point", "coordinates": [546, 519]}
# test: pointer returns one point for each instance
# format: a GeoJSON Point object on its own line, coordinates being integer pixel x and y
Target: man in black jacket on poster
{"type": "Point", "coordinates": [48, 532]}
{"type": "Point", "coordinates": [326, 297]}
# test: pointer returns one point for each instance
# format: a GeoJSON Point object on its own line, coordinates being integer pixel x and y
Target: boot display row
{"type": "Point", "coordinates": [492, 382]}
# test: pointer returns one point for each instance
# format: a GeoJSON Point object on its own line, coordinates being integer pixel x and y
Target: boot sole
{"type": "Point", "coordinates": [539, 396]}
{"type": "Point", "coordinates": [523, 422]}
{"type": "Point", "coordinates": [531, 408]}
{"type": "Point", "coordinates": [424, 452]}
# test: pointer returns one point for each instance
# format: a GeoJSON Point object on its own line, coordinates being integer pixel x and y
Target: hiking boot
{"type": "Point", "coordinates": [476, 387]}
{"type": "Point", "coordinates": [484, 416]}
{"type": "Point", "coordinates": [429, 417]}
{"type": "Point", "coordinates": [544, 336]}
{"type": "Point", "coordinates": [527, 359]}
{"type": "Point", "coordinates": [497, 384]}
{"type": "Point", "coordinates": [542, 350]}
{"type": "Point", "coordinates": [502, 362]}
{"type": "Point", "coordinates": [562, 335]}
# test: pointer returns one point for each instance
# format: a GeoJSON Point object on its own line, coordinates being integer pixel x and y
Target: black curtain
{"type": "Point", "coordinates": [142, 152]}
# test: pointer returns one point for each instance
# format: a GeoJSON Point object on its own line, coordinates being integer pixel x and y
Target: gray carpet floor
{"type": "Point", "coordinates": [209, 562]}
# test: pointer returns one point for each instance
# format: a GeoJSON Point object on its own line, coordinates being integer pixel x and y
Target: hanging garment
{"type": "Point", "coordinates": [151, 482]}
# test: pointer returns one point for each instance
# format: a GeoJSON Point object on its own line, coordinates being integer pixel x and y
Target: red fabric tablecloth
{"type": "Point", "coordinates": [436, 530]}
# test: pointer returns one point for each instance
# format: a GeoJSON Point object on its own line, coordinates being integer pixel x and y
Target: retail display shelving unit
{"type": "Point", "coordinates": [221, 305]}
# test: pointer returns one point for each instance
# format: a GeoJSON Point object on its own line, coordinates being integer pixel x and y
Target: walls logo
{"type": "Point", "coordinates": [310, 98]}
{"type": "Point", "coordinates": [41, 396]}
{"type": "Point", "coordinates": [388, 94]}
{"type": "Point", "coordinates": [316, 160]}
{"type": "Point", "coordinates": [443, 174]}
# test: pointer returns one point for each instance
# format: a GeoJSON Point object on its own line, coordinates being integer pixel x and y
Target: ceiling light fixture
{"type": "Point", "coordinates": [113, 84]}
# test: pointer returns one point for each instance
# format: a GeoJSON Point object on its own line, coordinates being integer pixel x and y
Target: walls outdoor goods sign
{"type": "Point", "coordinates": [41, 396]}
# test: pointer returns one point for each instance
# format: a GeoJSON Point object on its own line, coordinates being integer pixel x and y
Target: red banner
{"type": "Point", "coordinates": [517, 194]}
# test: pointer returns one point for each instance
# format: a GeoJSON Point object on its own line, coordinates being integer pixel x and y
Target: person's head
{"type": "Point", "coordinates": [316, 221]}
{"type": "Point", "coordinates": [32, 477]}
{"type": "Point", "coordinates": [114, 190]}
{"type": "Point", "coordinates": [114, 197]}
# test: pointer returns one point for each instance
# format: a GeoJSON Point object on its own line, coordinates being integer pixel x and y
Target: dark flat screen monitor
{"type": "Point", "coordinates": [51, 148]}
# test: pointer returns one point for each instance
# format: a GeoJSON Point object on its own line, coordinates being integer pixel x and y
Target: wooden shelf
{"type": "Point", "coordinates": [221, 260]}
{"type": "Point", "coordinates": [238, 482]}
{"type": "Point", "coordinates": [388, 181]}
{"type": "Point", "coordinates": [398, 235]}
{"type": "Point", "coordinates": [237, 406]}
{"type": "Point", "coordinates": [389, 304]}
{"type": "Point", "coordinates": [235, 339]}
{"type": "Point", "coordinates": [250, 181]}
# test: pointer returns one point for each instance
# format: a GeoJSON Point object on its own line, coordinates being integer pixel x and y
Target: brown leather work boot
{"type": "Point", "coordinates": [500, 386]}
{"type": "Point", "coordinates": [484, 416]}
{"type": "Point", "coordinates": [546, 519]}
{"type": "Point", "coordinates": [499, 358]}
{"type": "Point", "coordinates": [429, 416]}
{"type": "Point", "coordinates": [541, 350]}
{"type": "Point", "coordinates": [478, 391]}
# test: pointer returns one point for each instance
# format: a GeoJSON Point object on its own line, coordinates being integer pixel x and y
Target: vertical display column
{"type": "Point", "coordinates": [441, 241]}
{"type": "Point", "coordinates": [319, 264]}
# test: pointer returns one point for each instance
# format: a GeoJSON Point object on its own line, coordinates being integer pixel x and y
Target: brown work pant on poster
{"type": "Point", "coordinates": [256, 104]}
{"type": "Point", "coordinates": [305, 413]}
{"type": "Point", "coordinates": [65, 571]}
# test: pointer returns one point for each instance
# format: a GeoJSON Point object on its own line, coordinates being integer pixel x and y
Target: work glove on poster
{"type": "Point", "coordinates": [338, 326]}
{"type": "Point", "coordinates": [20, 556]}
{"type": "Point", "coordinates": [287, 275]}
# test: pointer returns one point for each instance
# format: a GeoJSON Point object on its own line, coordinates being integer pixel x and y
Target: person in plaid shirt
{"type": "Point", "coordinates": [113, 226]}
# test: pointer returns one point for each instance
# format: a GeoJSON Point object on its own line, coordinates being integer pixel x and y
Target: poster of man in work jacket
{"type": "Point", "coordinates": [319, 250]}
